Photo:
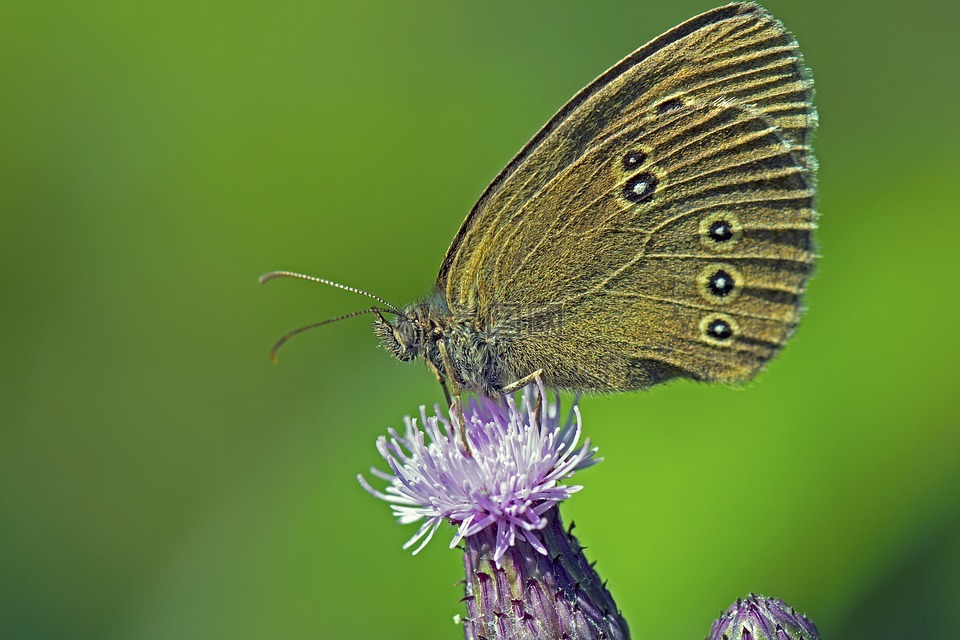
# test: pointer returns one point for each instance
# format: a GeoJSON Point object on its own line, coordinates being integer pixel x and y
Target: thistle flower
{"type": "Point", "coordinates": [496, 476]}
{"type": "Point", "coordinates": [506, 481]}
{"type": "Point", "coordinates": [760, 618]}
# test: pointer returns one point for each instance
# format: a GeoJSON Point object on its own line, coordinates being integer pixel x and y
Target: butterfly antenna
{"type": "Point", "coordinates": [279, 343]}
{"type": "Point", "coordinates": [290, 274]}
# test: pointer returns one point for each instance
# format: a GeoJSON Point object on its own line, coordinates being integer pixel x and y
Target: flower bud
{"type": "Point", "coordinates": [760, 618]}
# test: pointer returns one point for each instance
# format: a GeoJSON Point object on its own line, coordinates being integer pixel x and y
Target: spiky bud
{"type": "Point", "coordinates": [760, 618]}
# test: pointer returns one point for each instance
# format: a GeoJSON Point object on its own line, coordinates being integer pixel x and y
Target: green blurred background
{"type": "Point", "coordinates": [159, 479]}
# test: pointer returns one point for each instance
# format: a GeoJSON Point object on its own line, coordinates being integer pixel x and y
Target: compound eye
{"type": "Point", "coordinates": [406, 333]}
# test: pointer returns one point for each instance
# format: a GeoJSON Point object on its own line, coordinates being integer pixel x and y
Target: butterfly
{"type": "Point", "coordinates": [659, 226]}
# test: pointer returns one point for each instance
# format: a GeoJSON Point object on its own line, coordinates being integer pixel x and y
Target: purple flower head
{"type": "Point", "coordinates": [760, 618]}
{"type": "Point", "coordinates": [508, 479]}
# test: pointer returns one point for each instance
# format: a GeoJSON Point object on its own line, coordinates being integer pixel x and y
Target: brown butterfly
{"type": "Point", "coordinates": [659, 226]}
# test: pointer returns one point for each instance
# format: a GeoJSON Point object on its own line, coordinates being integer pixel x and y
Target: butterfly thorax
{"type": "Point", "coordinates": [458, 347]}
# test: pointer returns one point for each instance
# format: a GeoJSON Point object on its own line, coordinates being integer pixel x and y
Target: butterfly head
{"type": "Point", "coordinates": [403, 337]}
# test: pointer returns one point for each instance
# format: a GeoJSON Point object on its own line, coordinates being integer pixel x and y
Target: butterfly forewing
{"type": "Point", "coordinates": [660, 225]}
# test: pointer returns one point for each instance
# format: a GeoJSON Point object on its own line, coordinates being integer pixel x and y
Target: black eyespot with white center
{"type": "Point", "coordinates": [720, 231]}
{"type": "Point", "coordinates": [719, 329]}
{"type": "Point", "coordinates": [633, 159]}
{"type": "Point", "coordinates": [640, 188]}
{"type": "Point", "coordinates": [721, 283]}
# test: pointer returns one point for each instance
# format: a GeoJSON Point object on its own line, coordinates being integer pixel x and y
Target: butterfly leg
{"type": "Point", "coordinates": [457, 403]}
{"type": "Point", "coordinates": [442, 380]}
{"type": "Point", "coordinates": [446, 390]}
{"type": "Point", "coordinates": [522, 382]}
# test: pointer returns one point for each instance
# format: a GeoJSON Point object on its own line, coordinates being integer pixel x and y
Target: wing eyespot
{"type": "Point", "coordinates": [720, 283]}
{"type": "Point", "coordinates": [641, 187]}
{"type": "Point", "coordinates": [633, 159]}
{"type": "Point", "coordinates": [720, 231]}
{"type": "Point", "coordinates": [719, 329]}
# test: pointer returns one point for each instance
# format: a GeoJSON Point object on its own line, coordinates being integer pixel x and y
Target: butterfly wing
{"type": "Point", "coordinates": [658, 226]}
